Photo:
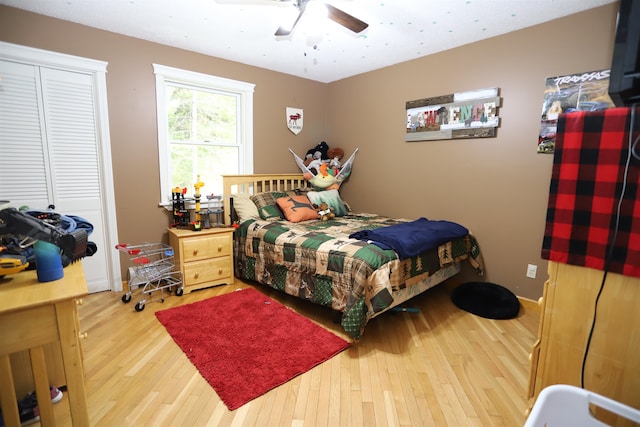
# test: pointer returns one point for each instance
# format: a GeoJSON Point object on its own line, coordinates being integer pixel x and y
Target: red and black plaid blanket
{"type": "Point", "coordinates": [589, 168]}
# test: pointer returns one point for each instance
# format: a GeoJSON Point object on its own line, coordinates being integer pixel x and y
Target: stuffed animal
{"type": "Point", "coordinates": [335, 154]}
{"type": "Point", "coordinates": [319, 152]}
{"type": "Point", "coordinates": [325, 212]}
{"type": "Point", "coordinates": [315, 165]}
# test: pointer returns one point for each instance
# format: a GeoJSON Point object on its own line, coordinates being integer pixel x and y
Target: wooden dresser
{"type": "Point", "coordinates": [40, 343]}
{"type": "Point", "coordinates": [613, 361]}
{"type": "Point", "coordinates": [205, 257]}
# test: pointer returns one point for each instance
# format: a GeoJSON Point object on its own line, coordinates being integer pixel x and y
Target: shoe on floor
{"type": "Point", "coordinates": [32, 400]}
{"type": "Point", "coordinates": [28, 407]}
{"type": "Point", "coordinates": [29, 416]}
{"type": "Point", "coordinates": [56, 394]}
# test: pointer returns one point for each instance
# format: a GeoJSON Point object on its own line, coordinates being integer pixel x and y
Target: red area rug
{"type": "Point", "coordinates": [245, 343]}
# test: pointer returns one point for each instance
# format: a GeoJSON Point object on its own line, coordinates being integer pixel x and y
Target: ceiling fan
{"type": "Point", "coordinates": [337, 15]}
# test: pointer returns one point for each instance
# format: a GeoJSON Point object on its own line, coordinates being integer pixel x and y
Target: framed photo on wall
{"type": "Point", "coordinates": [472, 114]}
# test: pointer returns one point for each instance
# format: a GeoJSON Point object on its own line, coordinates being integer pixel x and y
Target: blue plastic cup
{"type": "Point", "coordinates": [48, 261]}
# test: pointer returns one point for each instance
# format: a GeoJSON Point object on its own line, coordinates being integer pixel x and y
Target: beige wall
{"type": "Point", "coordinates": [497, 187]}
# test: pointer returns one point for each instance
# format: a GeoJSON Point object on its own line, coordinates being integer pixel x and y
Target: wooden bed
{"type": "Point", "coordinates": [317, 260]}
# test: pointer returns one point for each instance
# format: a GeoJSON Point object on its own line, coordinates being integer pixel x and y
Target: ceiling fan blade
{"type": "Point", "coordinates": [344, 19]}
{"type": "Point", "coordinates": [282, 31]}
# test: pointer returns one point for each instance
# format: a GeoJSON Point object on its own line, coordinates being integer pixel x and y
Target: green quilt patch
{"type": "Point", "coordinates": [279, 280]}
{"type": "Point", "coordinates": [323, 293]}
{"type": "Point", "coordinates": [314, 240]}
{"type": "Point", "coordinates": [375, 256]}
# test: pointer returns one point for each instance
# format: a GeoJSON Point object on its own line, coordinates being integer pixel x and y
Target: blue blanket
{"type": "Point", "coordinates": [412, 238]}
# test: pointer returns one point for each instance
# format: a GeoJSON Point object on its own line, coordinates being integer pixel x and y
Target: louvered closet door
{"type": "Point", "coordinates": [72, 147]}
{"type": "Point", "coordinates": [23, 171]}
{"type": "Point", "coordinates": [49, 150]}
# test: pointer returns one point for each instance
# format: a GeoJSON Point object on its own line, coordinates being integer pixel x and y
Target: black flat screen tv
{"type": "Point", "coordinates": [624, 79]}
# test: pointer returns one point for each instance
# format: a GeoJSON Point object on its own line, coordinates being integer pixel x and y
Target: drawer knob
{"type": "Point", "coordinates": [195, 252]}
{"type": "Point", "coordinates": [83, 335]}
{"type": "Point", "coordinates": [196, 275]}
{"type": "Point", "coordinates": [219, 271]}
{"type": "Point", "coordinates": [219, 248]}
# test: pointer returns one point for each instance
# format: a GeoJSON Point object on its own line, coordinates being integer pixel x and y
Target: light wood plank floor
{"type": "Point", "coordinates": [439, 367]}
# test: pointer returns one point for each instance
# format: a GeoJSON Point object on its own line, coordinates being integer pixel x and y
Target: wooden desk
{"type": "Point", "coordinates": [34, 315]}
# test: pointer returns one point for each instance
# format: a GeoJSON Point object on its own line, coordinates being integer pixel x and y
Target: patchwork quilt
{"type": "Point", "coordinates": [317, 261]}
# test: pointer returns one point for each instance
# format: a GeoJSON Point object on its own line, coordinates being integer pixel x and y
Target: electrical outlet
{"type": "Point", "coordinates": [532, 270]}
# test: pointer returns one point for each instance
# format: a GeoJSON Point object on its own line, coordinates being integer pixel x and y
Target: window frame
{"type": "Point", "coordinates": [169, 75]}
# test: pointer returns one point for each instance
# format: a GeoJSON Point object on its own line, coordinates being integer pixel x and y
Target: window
{"type": "Point", "coordinates": [205, 129]}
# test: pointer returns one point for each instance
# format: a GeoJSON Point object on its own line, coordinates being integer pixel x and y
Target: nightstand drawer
{"type": "Point", "coordinates": [204, 247]}
{"type": "Point", "coordinates": [208, 270]}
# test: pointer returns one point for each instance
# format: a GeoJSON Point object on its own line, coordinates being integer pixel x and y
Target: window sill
{"type": "Point", "coordinates": [191, 205]}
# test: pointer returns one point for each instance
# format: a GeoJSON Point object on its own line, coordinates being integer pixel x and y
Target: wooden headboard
{"type": "Point", "coordinates": [258, 183]}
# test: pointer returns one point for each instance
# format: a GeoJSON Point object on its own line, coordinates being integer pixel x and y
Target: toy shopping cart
{"type": "Point", "coordinates": [152, 268]}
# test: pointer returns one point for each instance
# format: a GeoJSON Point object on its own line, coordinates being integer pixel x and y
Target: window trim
{"type": "Point", "coordinates": [165, 75]}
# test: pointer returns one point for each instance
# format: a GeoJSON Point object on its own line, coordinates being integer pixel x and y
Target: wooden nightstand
{"type": "Point", "coordinates": [205, 257]}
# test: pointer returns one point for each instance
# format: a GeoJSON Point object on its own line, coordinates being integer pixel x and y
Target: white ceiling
{"type": "Point", "coordinates": [243, 30]}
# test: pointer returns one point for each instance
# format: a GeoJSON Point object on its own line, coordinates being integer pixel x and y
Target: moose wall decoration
{"type": "Point", "coordinates": [294, 119]}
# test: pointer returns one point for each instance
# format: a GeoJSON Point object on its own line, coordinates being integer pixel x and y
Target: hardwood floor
{"type": "Point", "coordinates": [439, 367]}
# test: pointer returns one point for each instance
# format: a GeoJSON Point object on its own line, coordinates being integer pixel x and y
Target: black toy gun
{"type": "Point", "coordinates": [72, 244]}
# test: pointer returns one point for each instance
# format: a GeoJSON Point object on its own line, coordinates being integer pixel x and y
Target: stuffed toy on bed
{"type": "Point", "coordinates": [325, 212]}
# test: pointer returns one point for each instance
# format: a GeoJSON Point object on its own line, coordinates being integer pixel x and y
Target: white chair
{"type": "Point", "coordinates": [565, 405]}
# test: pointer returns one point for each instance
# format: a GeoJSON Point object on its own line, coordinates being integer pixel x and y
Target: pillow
{"type": "Point", "coordinates": [297, 208]}
{"type": "Point", "coordinates": [331, 198]}
{"type": "Point", "coordinates": [266, 204]}
{"type": "Point", "coordinates": [244, 207]}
